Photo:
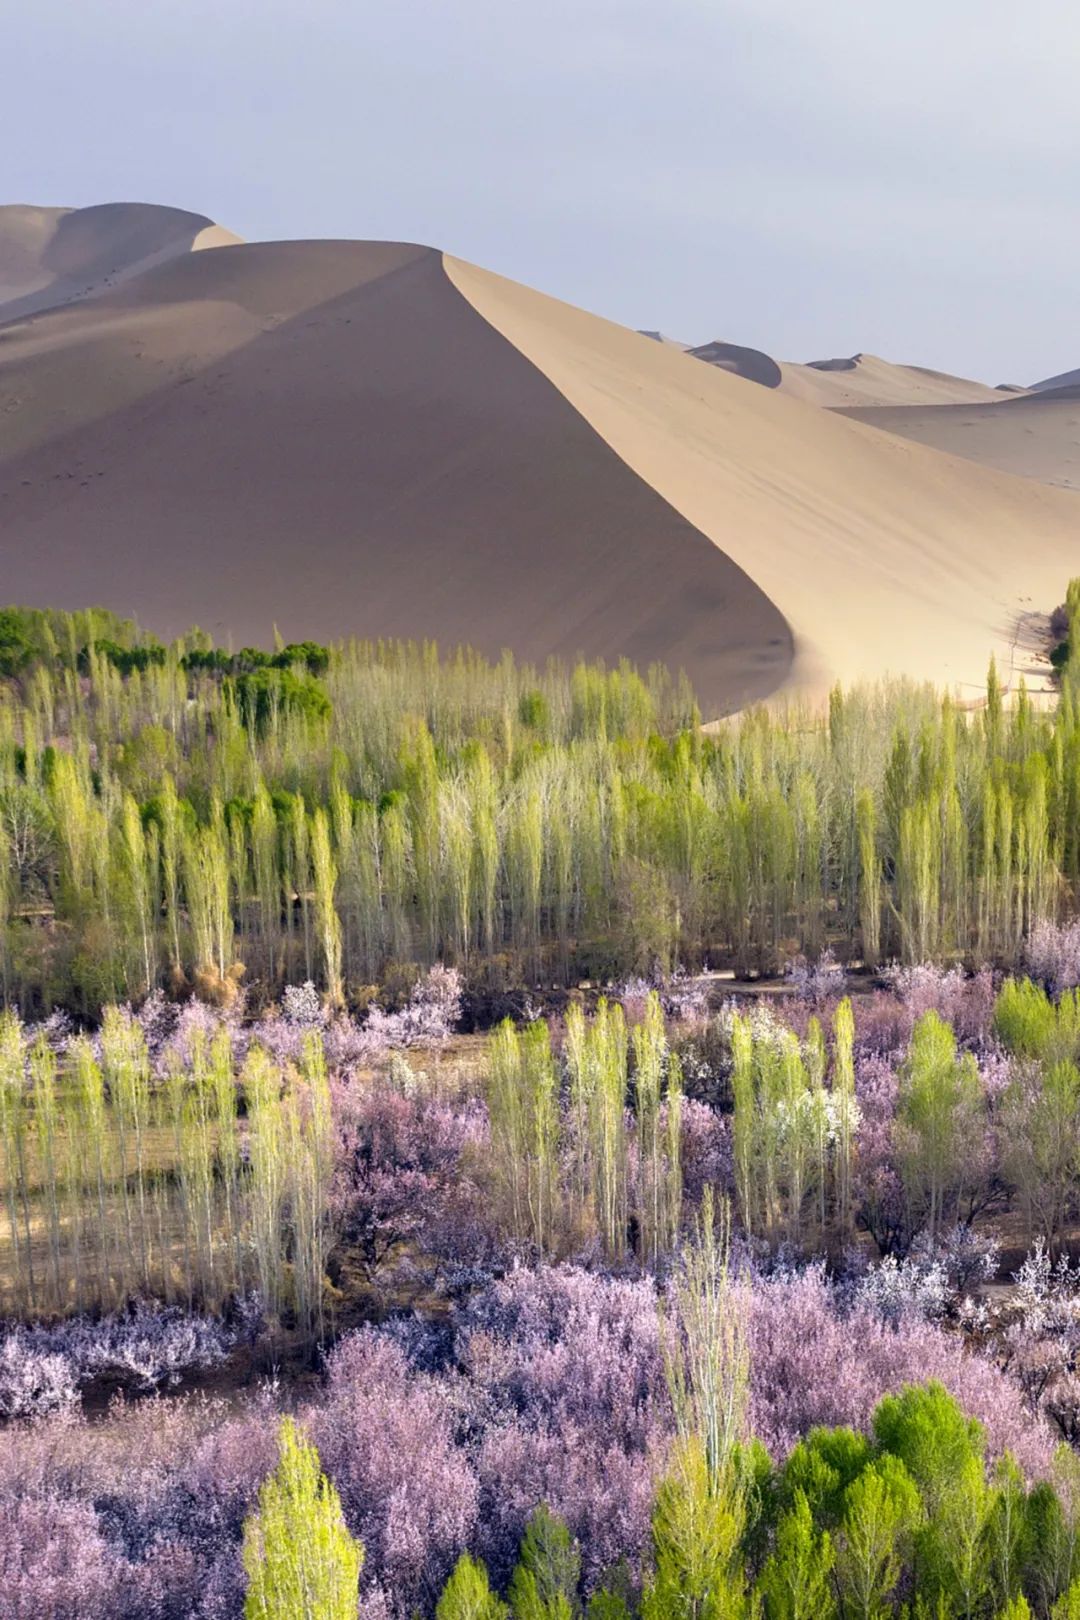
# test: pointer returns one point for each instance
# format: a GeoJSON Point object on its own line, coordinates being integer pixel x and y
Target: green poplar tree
{"type": "Point", "coordinates": [300, 1560]}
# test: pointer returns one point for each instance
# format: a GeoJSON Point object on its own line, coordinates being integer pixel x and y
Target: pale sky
{"type": "Point", "coordinates": [897, 176]}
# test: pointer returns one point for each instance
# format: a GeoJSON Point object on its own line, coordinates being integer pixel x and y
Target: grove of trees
{"type": "Point", "coordinates": [162, 822]}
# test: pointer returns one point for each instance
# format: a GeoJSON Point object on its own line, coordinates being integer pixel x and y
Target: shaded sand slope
{"type": "Point", "coordinates": [1065, 379]}
{"type": "Point", "coordinates": [51, 256]}
{"type": "Point", "coordinates": [749, 363]}
{"type": "Point", "coordinates": [883, 556]}
{"type": "Point", "coordinates": [1035, 435]}
{"type": "Point", "coordinates": [866, 380]}
{"type": "Point", "coordinates": [327, 436]}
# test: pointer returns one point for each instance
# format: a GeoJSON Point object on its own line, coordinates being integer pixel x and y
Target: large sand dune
{"type": "Point", "coordinates": [372, 439]}
{"type": "Point", "coordinates": [51, 256]}
{"type": "Point", "coordinates": [884, 557]}
{"type": "Point", "coordinates": [327, 436]}
{"type": "Point", "coordinates": [1035, 435]}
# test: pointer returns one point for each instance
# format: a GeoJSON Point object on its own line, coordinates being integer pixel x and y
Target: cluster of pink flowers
{"type": "Point", "coordinates": [44, 1369]}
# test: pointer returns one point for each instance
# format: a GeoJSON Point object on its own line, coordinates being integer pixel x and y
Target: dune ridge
{"type": "Point", "coordinates": [884, 557]}
{"type": "Point", "coordinates": [328, 437]}
{"type": "Point", "coordinates": [376, 439]}
{"type": "Point", "coordinates": [54, 256]}
{"type": "Point", "coordinates": [865, 380]}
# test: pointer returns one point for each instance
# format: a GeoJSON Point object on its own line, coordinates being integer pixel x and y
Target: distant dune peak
{"type": "Point", "coordinates": [741, 362]}
{"type": "Point", "coordinates": [54, 256]}
{"type": "Point", "coordinates": [839, 364]}
{"type": "Point", "coordinates": [1064, 379]}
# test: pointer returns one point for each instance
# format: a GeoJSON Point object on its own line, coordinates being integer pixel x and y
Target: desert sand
{"type": "Point", "coordinates": [51, 256]}
{"type": "Point", "coordinates": [343, 438]}
{"type": "Point", "coordinates": [327, 437]}
{"type": "Point", "coordinates": [1035, 436]}
{"type": "Point", "coordinates": [864, 379]}
{"type": "Point", "coordinates": [884, 557]}
{"type": "Point", "coordinates": [859, 381]}
{"type": "Point", "coordinates": [1064, 379]}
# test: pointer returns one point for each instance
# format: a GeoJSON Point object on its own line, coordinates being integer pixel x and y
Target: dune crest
{"type": "Point", "coordinates": [54, 256]}
{"type": "Point", "coordinates": [884, 558]}
{"type": "Point", "coordinates": [864, 380]}
{"type": "Point", "coordinates": [326, 436]}
{"type": "Point", "coordinates": [373, 439]}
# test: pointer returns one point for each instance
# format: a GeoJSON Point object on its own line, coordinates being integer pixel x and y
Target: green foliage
{"type": "Point", "coordinates": [142, 1186]}
{"type": "Point", "coordinates": [125, 660]}
{"type": "Point", "coordinates": [525, 1127]}
{"type": "Point", "coordinates": [1067, 1606]}
{"type": "Point", "coordinates": [265, 694]}
{"type": "Point", "coordinates": [529, 826]}
{"type": "Point", "coordinates": [820, 1469]}
{"type": "Point", "coordinates": [938, 1119]}
{"type": "Point", "coordinates": [925, 1428]}
{"type": "Point", "coordinates": [881, 1509]}
{"type": "Point", "coordinates": [795, 1584]}
{"type": "Point", "coordinates": [907, 1522]}
{"type": "Point", "coordinates": [467, 1594]}
{"type": "Point", "coordinates": [698, 1524]}
{"type": "Point", "coordinates": [17, 647]}
{"type": "Point", "coordinates": [1029, 1024]}
{"type": "Point", "coordinates": [300, 1560]}
{"type": "Point", "coordinates": [544, 1584]}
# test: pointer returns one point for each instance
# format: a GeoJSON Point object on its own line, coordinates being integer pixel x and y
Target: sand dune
{"type": "Point", "coordinates": [749, 363]}
{"type": "Point", "coordinates": [865, 380]}
{"type": "Point", "coordinates": [1065, 379]}
{"type": "Point", "coordinates": [326, 436]}
{"type": "Point", "coordinates": [882, 556]}
{"type": "Point", "coordinates": [1034, 436]}
{"type": "Point", "coordinates": [51, 256]}
{"type": "Point", "coordinates": [369, 438]}
{"type": "Point", "coordinates": [861, 380]}
{"type": "Point", "coordinates": [662, 337]}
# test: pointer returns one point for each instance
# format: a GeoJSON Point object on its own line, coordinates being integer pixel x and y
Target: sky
{"type": "Point", "coordinates": [810, 179]}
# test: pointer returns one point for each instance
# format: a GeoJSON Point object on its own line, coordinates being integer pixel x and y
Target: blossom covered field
{"type": "Point", "coordinates": [547, 1259]}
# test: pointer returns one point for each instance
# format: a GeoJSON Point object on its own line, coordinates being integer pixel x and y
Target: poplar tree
{"type": "Point", "coordinates": [697, 1529]}
{"type": "Point", "coordinates": [467, 1594]}
{"type": "Point", "coordinates": [939, 1103]}
{"type": "Point", "coordinates": [327, 920]}
{"type": "Point", "coordinates": [795, 1581]}
{"type": "Point", "coordinates": [300, 1560]}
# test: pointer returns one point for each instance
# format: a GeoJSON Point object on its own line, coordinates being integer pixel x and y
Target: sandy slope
{"type": "Point", "coordinates": [1065, 379]}
{"type": "Point", "coordinates": [1035, 435]}
{"type": "Point", "coordinates": [51, 256]}
{"type": "Point", "coordinates": [369, 438]}
{"type": "Point", "coordinates": [884, 557]}
{"type": "Point", "coordinates": [328, 437]}
{"type": "Point", "coordinates": [866, 380]}
{"type": "Point", "coordinates": [862, 380]}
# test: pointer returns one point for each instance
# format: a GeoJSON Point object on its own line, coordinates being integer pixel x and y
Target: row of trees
{"type": "Point", "coordinates": [570, 1160]}
{"type": "Point", "coordinates": [204, 1185]}
{"type": "Point", "coordinates": [157, 824]}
